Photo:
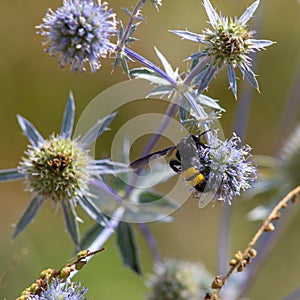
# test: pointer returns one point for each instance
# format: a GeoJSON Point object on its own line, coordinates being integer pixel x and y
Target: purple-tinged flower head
{"type": "Point", "coordinates": [228, 43]}
{"type": "Point", "coordinates": [61, 290]}
{"type": "Point", "coordinates": [178, 280]}
{"type": "Point", "coordinates": [80, 31]}
{"type": "Point", "coordinates": [229, 168]}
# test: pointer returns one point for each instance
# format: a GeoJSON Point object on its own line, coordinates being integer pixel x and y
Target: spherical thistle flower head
{"type": "Point", "coordinates": [228, 43]}
{"type": "Point", "coordinates": [61, 291]}
{"type": "Point", "coordinates": [59, 169]}
{"type": "Point", "coordinates": [290, 159]}
{"type": "Point", "coordinates": [228, 168]}
{"type": "Point", "coordinates": [178, 280]}
{"type": "Point", "coordinates": [78, 32]}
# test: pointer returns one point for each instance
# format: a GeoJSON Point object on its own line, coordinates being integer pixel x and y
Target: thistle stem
{"type": "Point", "coordinates": [170, 112]}
{"type": "Point", "coordinates": [105, 234]}
{"type": "Point", "coordinates": [133, 16]}
{"type": "Point", "coordinates": [199, 113]}
{"type": "Point", "coordinates": [295, 295]}
{"type": "Point", "coordinates": [224, 238]}
{"type": "Point", "coordinates": [151, 242]}
{"type": "Point", "coordinates": [150, 65]}
{"type": "Point", "coordinates": [189, 78]}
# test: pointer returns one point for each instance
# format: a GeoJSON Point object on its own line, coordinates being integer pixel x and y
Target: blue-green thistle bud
{"type": "Point", "coordinates": [178, 280]}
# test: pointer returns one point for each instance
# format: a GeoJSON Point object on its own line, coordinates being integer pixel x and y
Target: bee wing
{"type": "Point", "coordinates": [205, 199]}
{"type": "Point", "coordinates": [143, 161]}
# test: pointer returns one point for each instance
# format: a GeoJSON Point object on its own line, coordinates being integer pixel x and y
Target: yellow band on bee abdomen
{"type": "Point", "coordinates": [193, 176]}
{"type": "Point", "coordinates": [190, 172]}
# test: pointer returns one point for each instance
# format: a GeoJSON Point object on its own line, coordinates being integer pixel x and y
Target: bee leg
{"type": "Point", "coordinates": [178, 155]}
{"type": "Point", "coordinates": [197, 141]}
{"type": "Point", "coordinates": [175, 165]}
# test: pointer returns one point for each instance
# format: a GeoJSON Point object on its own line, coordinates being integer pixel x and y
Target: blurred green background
{"type": "Point", "coordinates": [32, 84]}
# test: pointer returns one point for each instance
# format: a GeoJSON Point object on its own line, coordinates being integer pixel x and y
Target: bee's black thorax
{"type": "Point", "coordinates": [188, 161]}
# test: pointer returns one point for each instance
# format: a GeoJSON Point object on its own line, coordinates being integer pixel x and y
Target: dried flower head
{"type": "Point", "coordinates": [59, 169]}
{"type": "Point", "coordinates": [80, 31]}
{"type": "Point", "coordinates": [229, 44]}
{"type": "Point", "coordinates": [178, 280]}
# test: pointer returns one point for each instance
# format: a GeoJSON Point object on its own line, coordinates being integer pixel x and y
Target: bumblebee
{"type": "Point", "coordinates": [187, 159]}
